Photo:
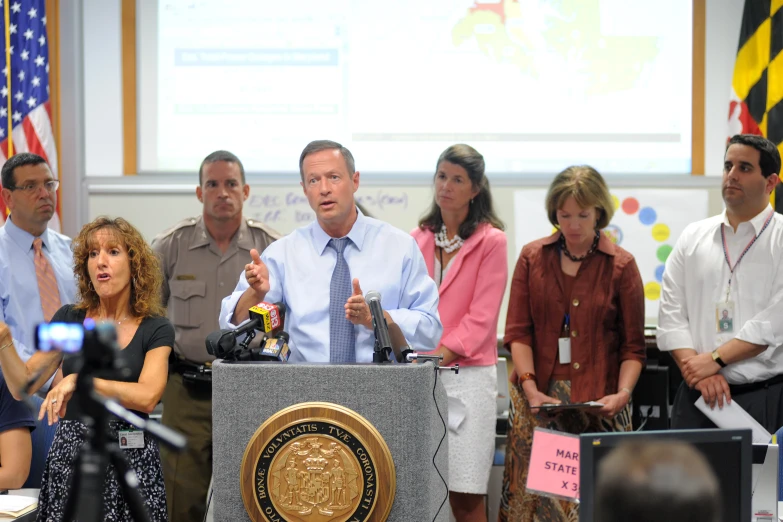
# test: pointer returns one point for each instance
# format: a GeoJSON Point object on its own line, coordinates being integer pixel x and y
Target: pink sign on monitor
{"type": "Point", "coordinates": [554, 464]}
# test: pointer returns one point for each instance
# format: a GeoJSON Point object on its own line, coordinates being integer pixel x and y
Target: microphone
{"type": "Point", "coordinates": [265, 317]}
{"type": "Point", "coordinates": [382, 340]}
{"type": "Point", "coordinates": [221, 343]}
{"type": "Point", "coordinates": [275, 349]}
{"type": "Point", "coordinates": [270, 316]}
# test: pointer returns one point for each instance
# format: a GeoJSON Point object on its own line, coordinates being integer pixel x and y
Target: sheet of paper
{"type": "Point", "coordinates": [734, 416]}
{"type": "Point", "coordinates": [15, 502]}
{"type": "Point", "coordinates": [554, 464]}
{"type": "Point", "coordinates": [456, 413]}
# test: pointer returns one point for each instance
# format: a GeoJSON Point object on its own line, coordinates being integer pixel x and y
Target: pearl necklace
{"type": "Point", "coordinates": [448, 245]}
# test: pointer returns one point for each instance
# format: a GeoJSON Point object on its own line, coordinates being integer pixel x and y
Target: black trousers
{"type": "Point", "coordinates": [762, 400]}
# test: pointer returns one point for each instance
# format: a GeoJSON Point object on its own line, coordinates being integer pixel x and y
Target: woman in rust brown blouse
{"type": "Point", "coordinates": [574, 285]}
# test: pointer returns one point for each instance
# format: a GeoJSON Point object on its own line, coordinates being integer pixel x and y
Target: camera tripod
{"type": "Point", "coordinates": [85, 500]}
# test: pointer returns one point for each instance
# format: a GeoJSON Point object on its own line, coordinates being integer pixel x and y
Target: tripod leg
{"type": "Point", "coordinates": [129, 483]}
{"type": "Point", "coordinates": [85, 500]}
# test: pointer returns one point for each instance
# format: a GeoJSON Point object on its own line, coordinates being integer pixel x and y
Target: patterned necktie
{"type": "Point", "coordinates": [342, 342]}
{"type": "Point", "coordinates": [47, 283]}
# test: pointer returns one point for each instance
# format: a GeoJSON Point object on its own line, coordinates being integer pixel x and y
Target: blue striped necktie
{"type": "Point", "coordinates": [342, 342]}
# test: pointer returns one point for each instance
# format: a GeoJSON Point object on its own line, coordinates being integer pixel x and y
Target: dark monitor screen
{"type": "Point", "coordinates": [729, 453]}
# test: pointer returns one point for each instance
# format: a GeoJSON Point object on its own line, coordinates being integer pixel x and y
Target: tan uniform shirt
{"type": "Point", "coordinates": [197, 276]}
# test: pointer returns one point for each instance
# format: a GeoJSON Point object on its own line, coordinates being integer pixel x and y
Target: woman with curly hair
{"type": "Point", "coordinates": [119, 281]}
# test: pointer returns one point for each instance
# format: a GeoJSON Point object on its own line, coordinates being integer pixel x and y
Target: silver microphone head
{"type": "Point", "coordinates": [372, 295]}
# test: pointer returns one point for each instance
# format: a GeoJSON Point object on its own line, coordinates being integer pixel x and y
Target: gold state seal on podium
{"type": "Point", "coordinates": [317, 462]}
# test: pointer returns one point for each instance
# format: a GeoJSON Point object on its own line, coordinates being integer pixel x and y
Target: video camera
{"type": "Point", "coordinates": [94, 344]}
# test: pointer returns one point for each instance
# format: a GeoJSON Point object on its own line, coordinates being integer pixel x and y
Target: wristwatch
{"type": "Point", "coordinates": [717, 359]}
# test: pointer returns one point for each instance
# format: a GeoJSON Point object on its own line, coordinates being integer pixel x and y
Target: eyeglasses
{"type": "Point", "coordinates": [33, 188]}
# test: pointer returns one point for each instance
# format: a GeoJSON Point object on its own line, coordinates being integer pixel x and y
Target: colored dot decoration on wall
{"type": "Point", "coordinates": [614, 233]}
{"type": "Point", "coordinates": [663, 253]}
{"type": "Point", "coordinates": [660, 232]}
{"type": "Point", "coordinates": [647, 216]}
{"type": "Point", "coordinates": [630, 205]}
{"type": "Point", "coordinates": [652, 291]}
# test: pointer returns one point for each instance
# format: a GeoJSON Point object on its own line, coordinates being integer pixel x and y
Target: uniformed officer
{"type": "Point", "coordinates": [201, 257]}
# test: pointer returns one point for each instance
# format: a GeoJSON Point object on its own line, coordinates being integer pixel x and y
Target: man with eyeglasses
{"type": "Point", "coordinates": [36, 263]}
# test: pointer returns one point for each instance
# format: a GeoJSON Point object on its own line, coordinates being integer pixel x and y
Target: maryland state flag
{"type": "Point", "coordinates": [756, 105]}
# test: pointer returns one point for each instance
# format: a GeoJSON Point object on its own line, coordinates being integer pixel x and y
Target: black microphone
{"type": "Point", "coordinates": [274, 349]}
{"type": "Point", "coordinates": [382, 339]}
{"type": "Point", "coordinates": [221, 343]}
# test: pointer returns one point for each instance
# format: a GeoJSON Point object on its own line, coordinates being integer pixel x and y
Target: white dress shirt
{"type": "Point", "coordinates": [696, 279]}
{"type": "Point", "coordinates": [382, 257]}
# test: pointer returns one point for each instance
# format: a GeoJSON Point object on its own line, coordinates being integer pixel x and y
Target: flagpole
{"type": "Point", "coordinates": [8, 77]}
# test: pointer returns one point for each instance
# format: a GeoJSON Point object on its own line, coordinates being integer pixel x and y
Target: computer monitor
{"type": "Point", "coordinates": [729, 453]}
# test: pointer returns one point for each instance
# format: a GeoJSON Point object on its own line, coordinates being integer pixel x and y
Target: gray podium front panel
{"type": "Point", "coordinates": [395, 398]}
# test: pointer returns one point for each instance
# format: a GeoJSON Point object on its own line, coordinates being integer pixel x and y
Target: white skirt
{"type": "Point", "coordinates": [472, 443]}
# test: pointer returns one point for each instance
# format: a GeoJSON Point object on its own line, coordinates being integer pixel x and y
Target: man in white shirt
{"type": "Point", "coordinates": [720, 314]}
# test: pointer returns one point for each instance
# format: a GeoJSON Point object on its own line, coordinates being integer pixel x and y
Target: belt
{"type": "Point", "coordinates": [192, 373]}
{"type": "Point", "coordinates": [754, 386]}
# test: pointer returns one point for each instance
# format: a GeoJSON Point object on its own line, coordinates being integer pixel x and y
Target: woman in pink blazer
{"type": "Point", "coordinates": [464, 247]}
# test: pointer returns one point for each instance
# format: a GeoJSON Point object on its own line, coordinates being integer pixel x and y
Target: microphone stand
{"type": "Point", "coordinates": [380, 355]}
{"type": "Point", "coordinates": [434, 359]}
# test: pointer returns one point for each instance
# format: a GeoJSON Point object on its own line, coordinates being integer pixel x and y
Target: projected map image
{"type": "Point", "coordinates": [534, 85]}
{"type": "Point", "coordinates": [569, 32]}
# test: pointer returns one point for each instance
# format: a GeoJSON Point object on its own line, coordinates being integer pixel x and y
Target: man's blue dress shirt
{"type": "Point", "coordinates": [381, 256]}
{"type": "Point", "coordinates": [20, 302]}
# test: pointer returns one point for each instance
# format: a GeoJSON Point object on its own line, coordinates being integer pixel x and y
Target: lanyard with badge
{"type": "Point", "coordinates": [564, 342]}
{"type": "Point", "coordinates": [724, 311]}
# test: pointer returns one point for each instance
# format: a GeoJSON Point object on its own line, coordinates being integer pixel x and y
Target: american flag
{"type": "Point", "coordinates": [25, 82]}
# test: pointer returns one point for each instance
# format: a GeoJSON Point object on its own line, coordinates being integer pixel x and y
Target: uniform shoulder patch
{"type": "Point", "coordinates": [187, 222]}
{"type": "Point", "coordinates": [271, 232]}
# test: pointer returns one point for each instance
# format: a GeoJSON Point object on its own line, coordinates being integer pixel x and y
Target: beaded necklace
{"type": "Point", "coordinates": [574, 258]}
{"type": "Point", "coordinates": [448, 245]}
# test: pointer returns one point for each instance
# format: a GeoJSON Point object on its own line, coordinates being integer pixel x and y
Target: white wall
{"type": "Point", "coordinates": [723, 20]}
{"type": "Point", "coordinates": [102, 87]}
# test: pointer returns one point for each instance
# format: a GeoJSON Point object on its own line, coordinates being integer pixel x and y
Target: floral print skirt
{"type": "Point", "coordinates": [61, 464]}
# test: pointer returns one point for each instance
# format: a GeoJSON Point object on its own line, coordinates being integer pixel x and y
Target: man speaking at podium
{"type": "Point", "coordinates": [318, 271]}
